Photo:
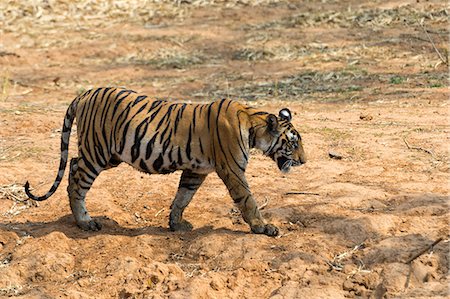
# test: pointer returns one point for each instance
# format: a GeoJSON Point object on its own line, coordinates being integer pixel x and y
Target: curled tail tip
{"type": "Point", "coordinates": [27, 187]}
{"type": "Point", "coordinates": [31, 196]}
{"type": "Point", "coordinates": [27, 190]}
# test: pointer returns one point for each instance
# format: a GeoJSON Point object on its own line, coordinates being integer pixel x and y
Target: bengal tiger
{"type": "Point", "coordinates": [118, 125]}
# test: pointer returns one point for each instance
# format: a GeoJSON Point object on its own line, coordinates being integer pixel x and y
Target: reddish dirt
{"type": "Point", "coordinates": [362, 79]}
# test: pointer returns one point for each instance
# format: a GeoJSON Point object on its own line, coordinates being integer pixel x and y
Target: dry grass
{"type": "Point", "coordinates": [301, 85]}
{"type": "Point", "coordinates": [172, 58]}
{"type": "Point", "coordinates": [19, 16]}
{"type": "Point", "coordinates": [361, 17]}
{"type": "Point", "coordinates": [11, 290]}
{"type": "Point", "coordinates": [16, 194]}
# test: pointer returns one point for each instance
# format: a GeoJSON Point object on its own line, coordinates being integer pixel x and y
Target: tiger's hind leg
{"type": "Point", "coordinates": [81, 179]}
{"type": "Point", "coordinates": [189, 184]}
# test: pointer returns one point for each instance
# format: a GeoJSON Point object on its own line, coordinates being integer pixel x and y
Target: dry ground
{"type": "Point", "coordinates": [363, 79]}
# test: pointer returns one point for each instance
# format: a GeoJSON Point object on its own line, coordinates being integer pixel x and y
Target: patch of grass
{"type": "Point", "coordinates": [396, 80]}
{"type": "Point", "coordinates": [436, 85]}
{"type": "Point", "coordinates": [11, 290]}
{"type": "Point", "coordinates": [250, 54]}
{"type": "Point", "coordinates": [363, 17]}
{"type": "Point", "coordinates": [164, 59]}
{"type": "Point", "coordinates": [354, 88]}
{"type": "Point", "coordinates": [299, 85]}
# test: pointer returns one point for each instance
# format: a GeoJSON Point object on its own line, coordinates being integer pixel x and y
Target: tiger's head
{"type": "Point", "coordinates": [279, 140]}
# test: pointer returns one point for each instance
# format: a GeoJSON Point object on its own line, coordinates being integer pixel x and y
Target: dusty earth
{"type": "Point", "coordinates": [364, 81]}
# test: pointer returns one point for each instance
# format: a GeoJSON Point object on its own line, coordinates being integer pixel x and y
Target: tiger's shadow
{"type": "Point", "coordinates": [67, 226]}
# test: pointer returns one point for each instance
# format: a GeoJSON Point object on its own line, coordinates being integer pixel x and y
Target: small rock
{"type": "Point", "coordinates": [366, 117]}
{"type": "Point", "coordinates": [335, 155]}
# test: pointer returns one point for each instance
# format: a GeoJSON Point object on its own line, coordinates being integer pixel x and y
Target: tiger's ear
{"type": "Point", "coordinates": [285, 114]}
{"type": "Point", "coordinates": [272, 123]}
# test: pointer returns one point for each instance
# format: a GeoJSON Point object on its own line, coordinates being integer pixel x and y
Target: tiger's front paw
{"type": "Point", "coordinates": [183, 225]}
{"type": "Point", "coordinates": [266, 229]}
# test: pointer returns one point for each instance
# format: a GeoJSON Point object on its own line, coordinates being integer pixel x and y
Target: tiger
{"type": "Point", "coordinates": [157, 136]}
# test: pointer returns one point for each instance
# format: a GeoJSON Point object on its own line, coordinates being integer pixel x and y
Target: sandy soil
{"type": "Point", "coordinates": [363, 80]}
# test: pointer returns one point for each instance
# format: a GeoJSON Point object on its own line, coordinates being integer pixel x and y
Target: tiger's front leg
{"type": "Point", "coordinates": [243, 198]}
{"type": "Point", "coordinates": [189, 184]}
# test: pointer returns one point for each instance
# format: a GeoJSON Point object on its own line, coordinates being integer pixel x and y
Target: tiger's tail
{"type": "Point", "coordinates": [65, 136]}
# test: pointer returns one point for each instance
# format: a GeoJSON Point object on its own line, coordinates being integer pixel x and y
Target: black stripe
{"type": "Point", "coordinates": [123, 140]}
{"type": "Point", "coordinates": [86, 173]}
{"type": "Point", "coordinates": [166, 116]}
{"type": "Point", "coordinates": [228, 106]}
{"type": "Point", "coordinates": [188, 144]}
{"type": "Point", "coordinates": [164, 132]}
{"type": "Point", "coordinates": [144, 166]}
{"type": "Point", "coordinates": [167, 142]}
{"type": "Point", "coordinates": [101, 160]}
{"type": "Point", "coordinates": [194, 117]}
{"type": "Point", "coordinates": [136, 147]}
{"type": "Point", "coordinates": [117, 128]}
{"type": "Point", "coordinates": [209, 114]}
{"type": "Point", "coordinates": [201, 146]}
{"type": "Point", "coordinates": [152, 117]}
{"type": "Point", "coordinates": [119, 101]}
{"type": "Point", "coordinates": [178, 118]}
{"type": "Point", "coordinates": [180, 159]}
{"type": "Point", "coordinates": [139, 99]}
{"type": "Point", "coordinates": [158, 163]}
{"type": "Point", "coordinates": [142, 108]}
{"type": "Point", "coordinates": [236, 162]}
{"type": "Point", "coordinates": [150, 144]}
{"type": "Point", "coordinates": [88, 164]}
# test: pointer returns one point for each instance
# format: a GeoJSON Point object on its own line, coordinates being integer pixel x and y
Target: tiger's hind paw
{"type": "Point", "coordinates": [266, 229]}
{"type": "Point", "coordinates": [90, 225]}
{"type": "Point", "coordinates": [183, 225]}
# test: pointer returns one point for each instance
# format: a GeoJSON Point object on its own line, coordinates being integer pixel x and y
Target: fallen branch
{"type": "Point", "coordinates": [419, 148]}
{"type": "Point", "coordinates": [410, 260]}
{"type": "Point", "coordinates": [444, 61]}
{"type": "Point", "coordinates": [428, 248]}
{"type": "Point", "coordinates": [301, 193]}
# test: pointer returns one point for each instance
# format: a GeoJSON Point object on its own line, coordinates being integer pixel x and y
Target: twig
{"type": "Point", "coordinates": [159, 212]}
{"type": "Point", "coordinates": [264, 204]}
{"type": "Point", "coordinates": [419, 148]}
{"type": "Point", "coordinates": [429, 247]}
{"type": "Point", "coordinates": [335, 264]}
{"type": "Point", "coordinates": [301, 193]}
{"type": "Point", "coordinates": [444, 61]}
{"type": "Point", "coordinates": [284, 235]}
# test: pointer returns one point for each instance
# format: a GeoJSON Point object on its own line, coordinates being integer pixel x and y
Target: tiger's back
{"type": "Point", "coordinates": [152, 135]}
